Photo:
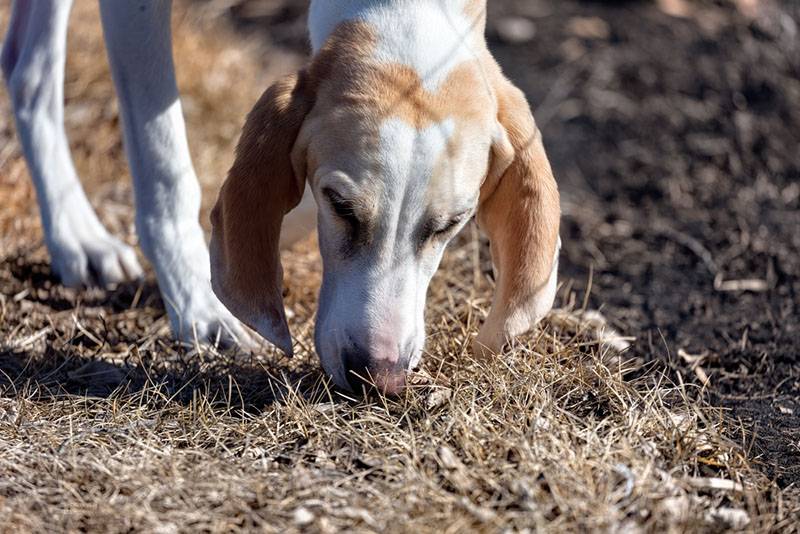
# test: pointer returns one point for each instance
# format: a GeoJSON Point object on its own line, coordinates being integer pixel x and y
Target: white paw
{"type": "Point", "coordinates": [200, 317]}
{"type": "Point", "coordinates": [83, 253]}
{"type": "Point", "coordinates": [182, 266]}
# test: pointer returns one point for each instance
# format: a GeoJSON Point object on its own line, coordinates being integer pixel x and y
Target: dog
{"type": "Point", "coordinates": [399, 130]}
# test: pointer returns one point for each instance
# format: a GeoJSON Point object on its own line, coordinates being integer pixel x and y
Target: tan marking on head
{"type": "Point", "coordinates": [346, 72]}
{"type": "Point", "coordinates": [356, 95]}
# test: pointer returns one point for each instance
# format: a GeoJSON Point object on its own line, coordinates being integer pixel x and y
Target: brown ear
{"type": "Point", "coordinates": [261, 188]}
{"type": "Point", "coordinates": [519, 210]}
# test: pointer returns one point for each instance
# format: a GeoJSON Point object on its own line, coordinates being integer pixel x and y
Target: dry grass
{"type": "Point", "coordinates": [106, 424]}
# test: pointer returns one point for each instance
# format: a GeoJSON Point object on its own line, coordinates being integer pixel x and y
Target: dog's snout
{"type": "Point", "coordinates": [367, 372]}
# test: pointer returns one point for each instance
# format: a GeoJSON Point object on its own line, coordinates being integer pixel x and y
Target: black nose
{"type": "Point", "coordinates": [365, 375]}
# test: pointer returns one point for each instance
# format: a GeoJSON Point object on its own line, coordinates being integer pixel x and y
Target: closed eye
{"type": "Point", "coordinates": [344, 209]}
{"type": "Point", "coordinates": [439, 230]}
{"type": "Point", "coordinates": [447, 228]}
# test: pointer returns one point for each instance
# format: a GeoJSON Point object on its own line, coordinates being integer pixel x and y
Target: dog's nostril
{"type": "Point", "coordinates": [356, 368]}
{"type": "Point", "coordinates": [365, 375]}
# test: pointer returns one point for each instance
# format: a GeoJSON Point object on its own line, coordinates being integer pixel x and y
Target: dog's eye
{"type": "Point", "coordinates": [447, 228]}
{"type": "Point", "coordinates": [344, 209]}
{"type": "Point", "coordinates": [437, 230]}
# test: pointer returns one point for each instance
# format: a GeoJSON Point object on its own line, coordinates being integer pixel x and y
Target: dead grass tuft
{"type": "Point", "coordinates": [106, 425]}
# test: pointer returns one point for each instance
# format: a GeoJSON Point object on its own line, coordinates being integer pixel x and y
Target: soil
{"type": "Point", "coordinates": [676, 144]}
{"type": "Point", "coordinates": [674, 132]}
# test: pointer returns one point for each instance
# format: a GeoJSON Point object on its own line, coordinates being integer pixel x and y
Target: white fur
{"type": "Point", "coordinates": [430, 36]}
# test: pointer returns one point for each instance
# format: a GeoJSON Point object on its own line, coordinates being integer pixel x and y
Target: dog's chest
{"type": "Point", "coordinates": [431, 37]}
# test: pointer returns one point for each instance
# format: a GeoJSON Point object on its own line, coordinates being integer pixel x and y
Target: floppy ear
{"type": "Point", "coordinates": [519, 210]}
{"type": "Point", "coordinates": [261, 188]}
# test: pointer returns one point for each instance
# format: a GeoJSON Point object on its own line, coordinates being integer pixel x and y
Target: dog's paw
{"type": "Point", "coordinates": [202, 318]}
{"type": "Point", "coordinates": [182, 266]}
{"type": "Point", "coordinates": [84, 254]}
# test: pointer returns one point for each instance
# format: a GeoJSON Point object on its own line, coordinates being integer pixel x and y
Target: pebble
{"type": "Point", "coordinates": [515, 30]}
{"type": "Point", "coordinates": [303, 516]}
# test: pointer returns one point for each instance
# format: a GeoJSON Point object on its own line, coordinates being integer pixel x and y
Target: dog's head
{"type": "Point", "coordinates": [397, 166]}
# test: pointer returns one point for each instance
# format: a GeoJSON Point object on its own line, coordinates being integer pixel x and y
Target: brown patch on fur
{"type": "Point", "coordinates": [357, 94]}
{"type": "Point", "coordinates": [351, 80]}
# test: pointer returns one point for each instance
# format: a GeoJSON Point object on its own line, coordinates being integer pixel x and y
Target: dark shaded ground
{"type": "Point", "coordinates": [674, 132]}
{"type": "Point", "coordinates": [676, 144]}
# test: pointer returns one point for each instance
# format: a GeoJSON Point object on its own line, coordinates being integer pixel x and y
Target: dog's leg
{"type": "Point", "coordinates": [138, 39]}
{"type": "Point", "coordinates": [82, 251]}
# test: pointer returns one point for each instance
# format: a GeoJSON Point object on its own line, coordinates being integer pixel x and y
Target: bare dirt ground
{"type": "Point", "coordinates": [676, 142]}
{"type": "Point", "coordinates": [673, 133]}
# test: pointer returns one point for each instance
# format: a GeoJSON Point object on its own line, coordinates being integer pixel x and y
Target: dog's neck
{"type": "Point", "coordinates": [430, 36]}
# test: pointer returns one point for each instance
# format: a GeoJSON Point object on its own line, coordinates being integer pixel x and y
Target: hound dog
{"type": "Point", "coordinates": [400, 129]}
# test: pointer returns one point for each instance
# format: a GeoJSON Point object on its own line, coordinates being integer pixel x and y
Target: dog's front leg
{"type": "Point", "coordinates": [138, 39]}
{"type": "Point", "coordinates": [82, 252]}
